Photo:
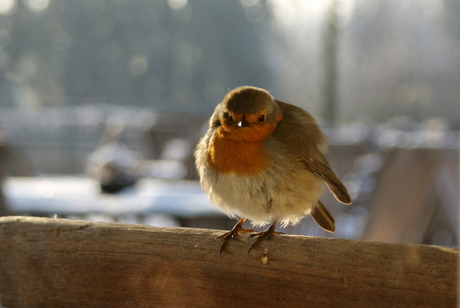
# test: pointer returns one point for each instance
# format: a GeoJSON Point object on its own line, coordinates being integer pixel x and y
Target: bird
{"type": "Point", "coordinates": [264, 160]}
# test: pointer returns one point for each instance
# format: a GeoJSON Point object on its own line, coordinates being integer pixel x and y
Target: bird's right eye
{"type": "Point", "coordinates": [230, 118]}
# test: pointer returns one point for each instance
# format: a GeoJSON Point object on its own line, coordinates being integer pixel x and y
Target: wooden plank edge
{"type": "Point", "coordinates": [68, 263]}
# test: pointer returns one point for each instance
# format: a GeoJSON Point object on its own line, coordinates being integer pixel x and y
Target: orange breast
{"type": "Point", "coordinates": [240, 157]}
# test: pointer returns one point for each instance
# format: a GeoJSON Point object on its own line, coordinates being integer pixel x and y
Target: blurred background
{"type": "Point", "coordinates": [103, 101]}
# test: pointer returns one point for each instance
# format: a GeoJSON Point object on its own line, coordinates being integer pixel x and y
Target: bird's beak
{"type": "Point", "coordinates": [243, 123]}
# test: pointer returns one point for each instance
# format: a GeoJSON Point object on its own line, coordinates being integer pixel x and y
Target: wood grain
{"type": "Point", "coordinates": [64, 263]}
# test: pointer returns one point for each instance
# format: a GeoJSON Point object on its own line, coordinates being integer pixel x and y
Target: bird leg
{"type": "Point", "coordinates": [264, 234]}
{"type": "Point", "coordinates": [232, 234]}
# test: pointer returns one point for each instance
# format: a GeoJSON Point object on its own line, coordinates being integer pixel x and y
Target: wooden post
{"type": "Point", "coordinates": [4, 149]}
{"type": "Point", "coordinates": [402, 205]}
{"type": "Point", "coordinates": [64, 263]}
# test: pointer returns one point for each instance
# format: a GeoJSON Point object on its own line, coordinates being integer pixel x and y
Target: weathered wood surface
{"type": "Point", "coordinates": [64, 263]}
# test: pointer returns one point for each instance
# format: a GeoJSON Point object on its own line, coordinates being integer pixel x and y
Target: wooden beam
{"type": "Point", "coordinates": [4, 151]}
{"type": "Point", "coordinates": [65, 263]}
{"type": "Point", "coordinates": [400, 208]}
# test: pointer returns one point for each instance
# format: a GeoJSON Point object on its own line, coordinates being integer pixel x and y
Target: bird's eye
{"type": "Point", "coordinates": [262, 119]}
{"type": "Point", "coordinates": [230, 118]}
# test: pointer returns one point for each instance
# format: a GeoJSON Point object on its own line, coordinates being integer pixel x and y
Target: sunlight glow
{"type": "Point", "coordinates": [298, 11]}
{"type": "Point", "coordinates": [38, 5]}
{"type": "Point", "coordinates": [7, 7]}
{"type": "Point", "coordinates": [177, 4]}
{"type": "Point", "coordinates": [288, 12]}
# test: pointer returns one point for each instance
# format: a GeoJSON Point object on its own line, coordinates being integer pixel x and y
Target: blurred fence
{"type": "Point", "coordinates": [61, 140]}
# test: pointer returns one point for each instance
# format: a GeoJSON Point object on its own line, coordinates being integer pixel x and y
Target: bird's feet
{"type": "Point", "coordinates": [264, 235]}
{"type": "Point", "coordinates": [232, 234]}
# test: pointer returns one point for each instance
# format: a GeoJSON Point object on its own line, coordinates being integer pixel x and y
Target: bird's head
{"type": "Point", "coordinates": [246, 114]}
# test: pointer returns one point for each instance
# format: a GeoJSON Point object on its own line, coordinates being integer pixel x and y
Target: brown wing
{"type": "Point", "coordinates": [323, 218]}
{"type": "Point", "coordinates": [335, 186]}
{"type": "Point", "coordinates": [299, 131]}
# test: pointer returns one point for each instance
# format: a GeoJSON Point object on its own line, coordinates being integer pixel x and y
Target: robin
{"type": "Point", "coordinates": [263, 159]}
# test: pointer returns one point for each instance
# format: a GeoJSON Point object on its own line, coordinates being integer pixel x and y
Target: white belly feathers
{"type": "Point", "coordinates": [266, 197]}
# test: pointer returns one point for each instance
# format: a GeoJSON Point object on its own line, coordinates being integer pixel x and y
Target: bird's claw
{"type": "Point", "coordinates": [263, 235]}
{"type": "Point", "coordinates": [232, 234]}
